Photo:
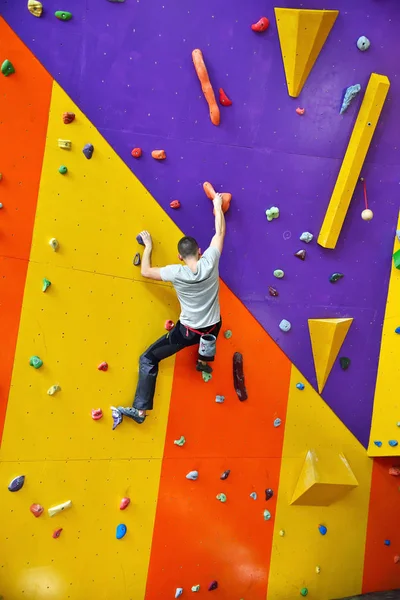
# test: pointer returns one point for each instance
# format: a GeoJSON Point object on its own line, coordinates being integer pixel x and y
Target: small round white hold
{"type": "Point", "coordinates": [367, 214]}
{"type": "Point", "coordinates": [1, 205]}
{"type": "Point", "coordinates": [363, 43]}
{"type": "Point", "coordinates": [285, 325]}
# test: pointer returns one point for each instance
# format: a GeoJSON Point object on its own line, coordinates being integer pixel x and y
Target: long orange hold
{"type": "Point", "coordinates": [206, 86]}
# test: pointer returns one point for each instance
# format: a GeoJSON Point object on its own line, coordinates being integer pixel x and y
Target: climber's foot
{"type": "Point", "coordinates": [133, 413]}
{"type": "Point", "coordinates": [117, 417]}
{"type": "Point", "coordinates": [203, 367]}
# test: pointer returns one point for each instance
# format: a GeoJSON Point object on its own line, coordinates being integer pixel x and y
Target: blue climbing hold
{"type": "Point", "coordinates": [88, 150]}
{"type": "Point", "coordinates": [387, 542]}
{"type": "Point", "coordinates": [397, 330]}
{"type": "Point", "coordinates": [17, 483]}
{"type": "Point", "coordinates": [322, 529]}
{"type": "Point", "coordinates": [300, 386]}
{"type": "Point", "coordinates": [378, 443]}
{"type": "Point", "coordinates": [348, 96]}
{"type": "Point", "coordinates": [121, 531]}
{"type": "Point", "coordinates": [393, 443]}
{"type": "Point", "coordinates": [139, 239]}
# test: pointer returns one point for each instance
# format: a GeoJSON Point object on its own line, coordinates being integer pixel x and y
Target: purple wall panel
{"type": "Point", "coordinates": [129, 68]}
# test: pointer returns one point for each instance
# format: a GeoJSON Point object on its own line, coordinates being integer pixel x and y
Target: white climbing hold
{"type": "Point", "coordinates": [363, 43]}
{"type": "Point", "coordinates": [253, 495]}
{"type": "Point", "coordinates": [54, 510]}
{"type": "Point", "coordinates": [285, 325]}
{"type": "Point", "coordinates": [277, 422]}
{"type": "Point", "coordinates": [195, 588]}
{"type": "Point", "coordinates": [306, 237]}
{"type": "Point", "coordinates": [178, 592]}
{"type": "Point", "coordinates": [54, 244]}
{"type": "Point", "coordinates": [193, 475]}
{"type": "Point", "coordinates": [219, 399]}
{"type": "Point", "coordinates": [53, 390]}
{"type": "Point", "coordinates": [267, 515]}
{"type": "Point", "coordinates": [180, 442]}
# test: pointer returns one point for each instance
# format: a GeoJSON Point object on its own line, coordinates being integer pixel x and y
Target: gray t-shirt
{"type": "Point", "coordinates": [197, 292]}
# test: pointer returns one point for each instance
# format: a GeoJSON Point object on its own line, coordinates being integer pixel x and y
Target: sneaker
{"type": "Point", "coordinates": [203, 368]}
{"type": "Point", "coordinates": [132, 413]}
{"type": "Point", "coordinates": [117, 417]}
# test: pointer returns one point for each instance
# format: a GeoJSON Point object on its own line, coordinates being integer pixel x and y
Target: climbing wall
{"type": "Point", "coordinates": [125, 70]}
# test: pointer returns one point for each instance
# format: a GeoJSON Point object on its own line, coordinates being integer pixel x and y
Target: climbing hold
{"type": "Point", "coordinates": [7, 68]}
{"type": "Point", "coordinates": [396, 559]}
{"type": "Point", "coordinates": [195, 588]}
{"type": "Point", "coordinates": [219, 399]}
{"type": "Point", "coordinates": [225, 474]}
{"type": "Point", "coordinates": [53, 390]}
{"type": "Point", "coordinates": [393, 443]}
{"type": "Point", "coordinates": [221, 497]}
{"type": "Point", "coordinates": [253, 495]}
{"type": "Point", "coordinates": [54, 510]}
{"type": "Point", "coordinates": [97, 414]}
{"type": "Point", "coordinates": [267, 515]}
{"type": "Point", "coordinates": [272, 213]}
{"type": "Point", "coordinates": [397, 330]}
{"type": "Point", "coordinates": [35, 8]}
{"type": "Point", "coordinates": [36, 509]}
{"type": "Point", "coordinates": [193, 475]}
{"type": "Point", "coordinates": [16, 484]}
{"type": "Point", "coordinates": [398, 423]}
{"type": "Point", "coordinates": [282, 532]}
{"type": "Point", "coordinates": [54, 244]}
{"type": "Point", "coordinates": [335, 277]}
{"type": "Point", "coordinates": [261, 25]}
{"type": "Point", "coordinates": [211, 193]}
{"type": "Point", "coordinates": [322, 529]}
{"type": "Point", "coordinates": [206, 376]}
{"type": "Point", "coordinates": [178, 591]}
{"type": "Point", "coordinates": [268, 494]}
{"type": "Point", "coordinates": [159, 154]}
{"type": "Point", "coordinates": [213, 586]}
{"type": "Point", "coordinates": [228, 334]}
{"type": "Point", "coordinates": [63, 170]}
{"type": "Point", "coordinates": [367, 214]}
{"type": "Point", "coordinates": [180, 442]}
{"type": "Point", "coordinates": [121, 531]}
{"type": "Point", "coordinates": [349, 94]}
{"type": "Point", "coordinates": [303, 591]}
{"type": "Point", "coordinates": [273, 292]}
{"type": "Point", "coordinates": [300, 111]}
{"type": "Point", "coordinates": [63, 15]}
{"type": "Point", "coordinates": [103, 366]}
{"type": "Point", "coordinates": [202, 74]}
{"type": "Point", "coordinates": [277, 422]}
{"type": "Point", "coordinates": [306, 237]}
{"type": "Point", "coordinates": [45, 284]}
{"type": "Point", "coordinates": [285, 325]}
{"type": "Point", "coordinates": [136, 260]}
{"type": "Point", "coordinates": [175, 204]}
{"type": "Point", "coordinates": [344, 362]}
{"type": "Point", "coordinates": [56, 533]}
{"type": "Point", "coordinates": [278, 273]}
{"type": "Point", "coordinates": [223, 98]}
{"type": "Point", "coordinates": [396, 259]}
{"type": "Point", "coordinates": [378, 443]}
{"type": "Point", "coordinates": [116, 1]}
{"type": "Point", "coordinates": [125, 502]}
{"type": "Point", "coordinates": [136, 152]}
{"type": "Point", "coordinates": [318, 569]}
{"type": "Point", "coordinates": [64, 144]}
{"type": "Point", "coordinates": [35, 362]}
{"type": "Point", "coordinates": [300, 254]}
{"type": "Point", "coordinates": [68, 117]}
{"type": "Point", "coordinates": [300, 386]}
{"type": "Point", "coordinates": [169, 325]}
{"type": "Point", "coordinates": [88, 150]}
{"type": "Point", "coordinates": [387, 542]}
{"type": "Point", "coordinates": [238, 377]}
{"type": "Point", "coordinates": [363, 43]}
{"type": "Point", "coordinates": [139, 239]}
{"type": "Point", "coordinates": [394, 471]}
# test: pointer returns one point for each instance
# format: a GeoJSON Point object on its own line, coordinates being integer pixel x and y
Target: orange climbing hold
{"type": "Point", "coordinates": [210, 193]}
{"type": "Point", "coordinates": [159, 154]}
{"type": "Point", "coordinates": [300, 111]}
{"type": "Point", "coordinates": [136, 152]}
{"type": "Point", "coordinates": [261, 25]}
{"type": "Point", "coordinates": [36, 509]}
{"type": "Point", "coordinates": [395, 471]}
{"type": "Point", "coordinates": [168, 325]}
{"type": "Point", "coordinates": [206, 86]}
{"type": "Point", "coordinates": [175, 204]}
{"type": "Point", "coordinates": [223, 98]}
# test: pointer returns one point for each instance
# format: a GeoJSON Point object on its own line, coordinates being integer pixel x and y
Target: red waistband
{"type": "Point", "coordinates": [199, 332]}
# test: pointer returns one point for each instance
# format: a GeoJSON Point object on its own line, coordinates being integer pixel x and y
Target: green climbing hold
{"type": "Point", "coordinates": [267, 515]}
{"type": "Point", "coordinates": [63, 170]}
{"type": "Point", "coordinates": [344, 362]}
{"type": "Point", "coordinates": [7, 68]}
{"type": "Point", "coordinates": [195, 588]}
{"type": "Point", "coordinates": [396, 257]}
{"type": "Point", "coordinates": [278, 273]}
{"type": "Point", "coordinates": [63, 15]}
{"type": "Point", "coordinates": [221, 497]}
{"type": "Point", "coordinates": [335, 277]}
{"type": "Point", "coordinates": [303, 592]}
{"type": "Point", "coordinates": [35, 362]}
{"type": "Point", "coordinates": [228, 334]}
{"type": "Point", "coordinates": [180, 442]}
{"type": "Point", "coordinates": [46, 284]}
{"type": "Point", "coordinates": [206, 376]}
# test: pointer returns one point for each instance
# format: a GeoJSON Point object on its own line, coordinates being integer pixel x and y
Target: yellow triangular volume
{"type": "Point", "coordinates": [327, 337]}
{"type": "Point", "coordinates": [326, 477]}
{"type": "Point", "coordinates": [302, 33]}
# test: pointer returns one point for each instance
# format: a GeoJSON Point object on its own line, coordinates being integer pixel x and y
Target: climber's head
{"type": "Point", "coordinates": [188, 249]}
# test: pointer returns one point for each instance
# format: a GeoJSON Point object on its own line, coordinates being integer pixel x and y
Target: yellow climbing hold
{"type": "Point", "coordinates": [325, 477]}
{"type": "Point", "coordinates": [302, 33]}
{"type": "Point", "coordinates": [35, 8]}
{"type": "Point", "coordinates": [327, 337]}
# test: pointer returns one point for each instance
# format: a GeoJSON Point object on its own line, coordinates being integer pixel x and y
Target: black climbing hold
{"type": "Point", "coordinates": [269, 493]}
{"type": "Point", "coordinates": [238, 376]}
{"type": "Point", "coordinates": [225, 474]}
{"type": "Point", "coordinates": [213, 586]}
{"type": "Point", "coordinates": [136, 260]}
{"type": "Point", "coordinates": [344, 362]}
{"type": "Point", "coordinates": [335, 277]}
{"type": "Point", "coordinates": [17, 483]}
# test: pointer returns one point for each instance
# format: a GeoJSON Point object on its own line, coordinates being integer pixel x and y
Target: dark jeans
{"type": "Point", "coordinates": [175, 340]}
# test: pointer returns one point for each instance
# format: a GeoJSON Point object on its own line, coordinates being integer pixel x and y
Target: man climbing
{"type": "Point", "coordinates": [197, 286]}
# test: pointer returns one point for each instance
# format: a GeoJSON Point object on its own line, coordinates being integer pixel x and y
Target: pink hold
{"type": "Point", "coordinates": [103, 366]}
{"type": "Point", "coordinates": [57, 533]}
{"type": "Point", "coordinates": [36, 510]}
{"type": "Point", "coordinates": [300, 111]}
{"type": "Point", "coordinates": [97, 414]}
{"type": "Point", "coordinates": [168, 325]}
{"type": "Point", "coordinates": [125, 502]}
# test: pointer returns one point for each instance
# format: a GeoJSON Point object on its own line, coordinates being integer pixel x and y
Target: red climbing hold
{"type": "Point", "coordinates": [395, 471]}
{"type": "Point", "coordinates": [210, 193]}
{"type": "Point", "coordinates": [168, 325]}
{"type": "Point", "coordinates": [103, 366]}
{"type": "Point", "coordinates": [175, 204]}
{"type": "Point", "coordinates": [36, 509]}
{"type": "Point", "coordinates": [272, 291]}
{"type": "Point", "coordinates": [261, 25]}
{"type": "Point", "coordinates": [223, 98]}
{"type": "Point", "coordinates": [396, 559]}
{"type": "Point", "coordinates": [136, 152]}
{"type": "Point", "coordinates": [68, 117]}
{"type": "Point", "coordinates": [125, 502]}
{"type": "Point", "coordinates": [57, 533]}
{"type": "Point", "coordinates": [213, 586]}
{"type": "Point", "coordinates": [97, 414]}
{"type": "Point", "coordinates": [159, 154]}
{"type": "Point", "coordinates": [300, 111]}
